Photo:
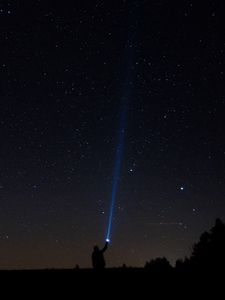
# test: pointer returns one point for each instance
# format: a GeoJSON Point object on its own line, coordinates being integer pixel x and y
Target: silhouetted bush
{"type": "Point", "coordinates": [183, 265]}
{"type": "Point", "coordinates": [158, 265]}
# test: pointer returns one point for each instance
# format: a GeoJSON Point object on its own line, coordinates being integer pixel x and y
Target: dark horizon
{"type": "Point", "coordinates": [65, 70]}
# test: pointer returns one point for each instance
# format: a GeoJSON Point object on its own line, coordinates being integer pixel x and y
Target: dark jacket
{"type": "Point", "coordinates": [98, 260]}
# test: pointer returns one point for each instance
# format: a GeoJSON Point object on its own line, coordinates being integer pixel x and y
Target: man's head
{"type": "Point", "coordinates": [96, 248]}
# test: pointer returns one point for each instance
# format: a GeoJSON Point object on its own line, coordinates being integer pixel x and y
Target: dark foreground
{"type": "Point", "coordinates": [110, 282]}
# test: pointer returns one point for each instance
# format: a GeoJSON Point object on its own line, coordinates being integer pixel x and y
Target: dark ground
{"type": "Point", "coordinates": [126, 283]}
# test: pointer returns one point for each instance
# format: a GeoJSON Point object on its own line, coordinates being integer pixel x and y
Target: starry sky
{"type": "Point", "coordinates": [66, 70]}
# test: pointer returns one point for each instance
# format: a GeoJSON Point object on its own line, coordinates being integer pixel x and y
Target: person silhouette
{"type": "Point", "coordinates": [98, 261]}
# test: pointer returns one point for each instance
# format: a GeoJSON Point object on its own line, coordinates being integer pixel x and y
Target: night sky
{"type": "Point", "coordinates": [68, 70]}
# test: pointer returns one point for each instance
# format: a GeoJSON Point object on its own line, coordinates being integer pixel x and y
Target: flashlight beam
{"type": "Point", "coordinates": [117, 168]}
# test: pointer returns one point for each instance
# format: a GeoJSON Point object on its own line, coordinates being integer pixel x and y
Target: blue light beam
{"type": "Point", "coordinates": [127, 87]}
{"type": "Point", "coordinates": [118, 163]}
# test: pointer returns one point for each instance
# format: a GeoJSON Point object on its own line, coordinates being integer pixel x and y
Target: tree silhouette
{"type": "Point", "coordinates": [209, 252]}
